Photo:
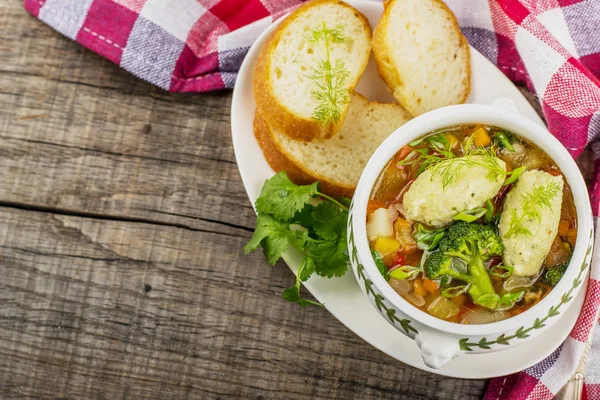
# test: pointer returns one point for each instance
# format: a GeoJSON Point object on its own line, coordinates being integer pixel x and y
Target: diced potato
{"type": "Point", "coordinates": [380, 224]}
{"type": "Point", "coordinates": [401, 286]}
{"type": "Point", "coordinates": [443, 308]}
{"type": "Point", "coordinates": [533, 159]}
{"type": "Point", "coordinates": [482, 315]}
{"type": "Point", "coordinates": [481, 138]}
{"type": "Point", "coordinates": [374, 205]}
{"type": "Point", "coordinates": [386, 245]}
{"type": "Point", "coordinates": [513, 158]}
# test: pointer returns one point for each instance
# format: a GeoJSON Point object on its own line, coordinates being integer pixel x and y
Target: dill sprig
{"type": "Point", "coordinates": [540, 197]}
{"type": "Point", "coordinates": [329, 77]}
{"type": "Point", "coordinates": [448, 165]}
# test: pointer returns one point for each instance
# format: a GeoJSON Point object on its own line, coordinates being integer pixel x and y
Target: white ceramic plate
{"type": "Point", "coordinates": [342, 296]}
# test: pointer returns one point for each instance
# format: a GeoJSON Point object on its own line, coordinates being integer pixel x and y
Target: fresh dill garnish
{"type": "Point", "coordinates": [329, 77]}
{"type": "Point", "coordinates": [540, 197]}
{"type": "Point", "coordinates": [440, 157]}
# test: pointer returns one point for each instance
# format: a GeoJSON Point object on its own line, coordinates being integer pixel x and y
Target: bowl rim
{"type": "Point", "coordinates": [451, 116]}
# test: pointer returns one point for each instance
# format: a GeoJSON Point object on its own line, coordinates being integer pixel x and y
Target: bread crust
{"type": "Point", "coordinates": [385, 66]}
{"type": "Point", "coordinates": [276, 114]}
{"type": "Point", "coordinates": [279, 162]}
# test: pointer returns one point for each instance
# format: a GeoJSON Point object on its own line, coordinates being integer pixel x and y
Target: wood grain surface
{"type": "Point", "coordinates": [122, 218]}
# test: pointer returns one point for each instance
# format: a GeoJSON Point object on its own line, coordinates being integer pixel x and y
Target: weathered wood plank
{"type": "Point", "coordinates": [113, 309]}
{"type": "Point", "coordinates": [81, 135]}
{"type": "Point", "coordinates": [123, 218]}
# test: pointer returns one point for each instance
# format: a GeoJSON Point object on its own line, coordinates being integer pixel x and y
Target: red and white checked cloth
{"type": "Point", "coordinates": [552, 46]}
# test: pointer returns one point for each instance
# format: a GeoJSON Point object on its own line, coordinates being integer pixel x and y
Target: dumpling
{"type": "Point", "coordinates": [531, 211]}
{"type": "Point", "coordinates": [429, 201]}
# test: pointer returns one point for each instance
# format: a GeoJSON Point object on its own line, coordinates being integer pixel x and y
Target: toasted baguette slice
{"type": "Point", "coordinates": [336, 163]}
{"type": "Point", "coordinates": [422, 55]}
{"type": "Point", "coordinates": [289, 95]}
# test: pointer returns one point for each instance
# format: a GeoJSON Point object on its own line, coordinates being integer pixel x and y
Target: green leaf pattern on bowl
{"type": "Point", "coordinates": [464, 343]}
{"type": "Point", "coordinates": [378, 298]}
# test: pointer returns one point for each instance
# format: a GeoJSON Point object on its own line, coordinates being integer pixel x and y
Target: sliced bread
{"type": "Point", "coordinates": [308, 67]}
{"type": "Point", "coordinates": [422, 55]}
{"type": "Point", "coordinates": [336, 163]}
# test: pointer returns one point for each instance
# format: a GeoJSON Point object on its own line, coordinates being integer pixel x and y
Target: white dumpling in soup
{"type": "Point", "coordinates": [529, 221]}
{"type": "Point", "coordinates": [453, 186]}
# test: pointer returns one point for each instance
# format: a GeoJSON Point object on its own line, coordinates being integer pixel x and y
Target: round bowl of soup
{"type": "Point", "coordinates": [470, 231]}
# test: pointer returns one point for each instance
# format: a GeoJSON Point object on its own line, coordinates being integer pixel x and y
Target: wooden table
{"type": "Point", "coordinates": [123, 219]}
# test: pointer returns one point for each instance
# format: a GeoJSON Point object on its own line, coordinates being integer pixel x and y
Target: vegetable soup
{"type": "Point", "coordinates": [472, 224]}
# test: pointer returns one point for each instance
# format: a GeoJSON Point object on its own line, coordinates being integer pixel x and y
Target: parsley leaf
{"type": "Point", "coordinates": [329, 248]}
{"type": "Point", "coordinates": [282, 198]}
{"type": "Point", "coordinates": [329, 221]}
{"type": "Point", "coordinates": [346, 201]}
{"type": "Point", "coordinates": [274, 236]}
{"type": "Point", "coordinates": [307, 271]}
{"type": "Point", "coordinates": [287, 217]}
{"type": "Point", "coordinates": [293, 293]}
{"type": "Point", "coordinates": [304, 218]}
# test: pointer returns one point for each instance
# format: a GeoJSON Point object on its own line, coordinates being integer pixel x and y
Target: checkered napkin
{"type": "Point", "coordinates": [552, 46]}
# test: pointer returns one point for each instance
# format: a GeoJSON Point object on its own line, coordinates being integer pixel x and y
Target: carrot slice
{"type": "Point", "coordinates": [430, 285]}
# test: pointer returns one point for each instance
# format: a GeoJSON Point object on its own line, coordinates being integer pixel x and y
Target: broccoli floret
{"type": "Point", "coordinates": [462, 254]}
{"type": "Point", "coordinates": [553, 275]}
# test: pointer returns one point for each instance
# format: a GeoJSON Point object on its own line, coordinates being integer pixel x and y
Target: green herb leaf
{"type": "Point", "coordinates": [329, 249]}
{"type": "Point", "coordinates": [274, 236]}
{"type": "Point", "coordinates": [454, 291]}
{"type": "Point", "coordinates": [345, 201]}
{"type": "Point", "coordinates": [514, 175]}
{"type": "Point", "coordinates": [488, 300]}
{"type": "Point", "coordinates": [448, 165]}
{"type": "Point", "coordinates": [439, 143]}
{"type": "Point", "coordinates": [428, 239]}
{"type": "Point", "coordinates": [405, 272]}
{"type": "Point", "coordinates": [285, 217]}
{"type": "Point", "coordinates": [282, 198]}
{"type": "Point", "coordinates": [471, 215]}
{"type": "Point", "coordinates": [308, 269]}
{"type": "Point", "coordinates": [489, 211]}
{"type": "Point", "coordinates": [385, 272]}
{"type": "Point", "coordinates": [329, 77]}
{"type": "Point", "coordinates": [502, 271]}
{"type": "Point", "coordinates": [304, 218]}
{"type": "Point", "coordinates": [508, 300]}
{"type": "Point", "coordinates": [416, 142]}
{"type": "Point", "coordinates": [504, 141]}
{"type": "Point", "coordinates": [293, 294]}
{"type": "Point", "coordinates": [329, 221]}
